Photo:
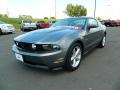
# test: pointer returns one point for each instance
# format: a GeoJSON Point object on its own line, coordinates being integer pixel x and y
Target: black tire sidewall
{"type": "Point", "coordinates": [0, 32]}
{"type": "Point", "coordinates": [68, 65]}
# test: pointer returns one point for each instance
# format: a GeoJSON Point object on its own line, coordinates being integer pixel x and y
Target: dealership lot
{"type": "Point", "coordinates": [99, 69]}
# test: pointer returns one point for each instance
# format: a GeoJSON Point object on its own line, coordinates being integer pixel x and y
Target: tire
{"type": "Point", "coordinates": [1, 32]}
{"type": "Point", "coordinates": [22, 29]}
{"type": "Point", "coordinates": [110, 25]}
{"type": "Point", "coordinates": [39, 27]}
{"type": "Point", "coordinates": [102, 43]}
{"type": "Point", "coordinates": [11, 32]}
{"type": "Point", "coordinates": [73, 57]}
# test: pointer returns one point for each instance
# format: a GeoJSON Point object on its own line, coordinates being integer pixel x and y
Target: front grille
{"type": "Point", "coordinates": [33, 60]}
{"type": "Point", "coordinates": [10, 27]}
{"type": "Point", "coordinates": [28, 46]}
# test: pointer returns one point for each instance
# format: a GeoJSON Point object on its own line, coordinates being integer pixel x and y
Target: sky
{"type": "Point", "coordinates": [106, 9]}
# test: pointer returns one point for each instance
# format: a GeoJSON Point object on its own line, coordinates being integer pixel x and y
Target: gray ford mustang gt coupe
{"type": "Point", "coordinates": [61, 45]}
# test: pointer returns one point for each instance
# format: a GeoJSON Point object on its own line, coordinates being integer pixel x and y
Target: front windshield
{"type": "Point", "coordinates": [1, 22]}
{"type": "Point", "coordinates": [75, 22]}
{"type": "Point", "coordinates": [27, 21]}
{"type": "Point", "coordinates": [40, 22]}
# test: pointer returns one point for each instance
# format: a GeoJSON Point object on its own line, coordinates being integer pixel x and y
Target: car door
{"type": "Point", "coordinates": [92, 34]}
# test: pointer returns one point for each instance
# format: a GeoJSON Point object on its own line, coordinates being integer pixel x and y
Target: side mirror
{"type": "Point", "coordinates": [92, 26]}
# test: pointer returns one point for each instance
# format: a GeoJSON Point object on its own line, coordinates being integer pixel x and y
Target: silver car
{"type": "Point", "coordinates": [27, 25]}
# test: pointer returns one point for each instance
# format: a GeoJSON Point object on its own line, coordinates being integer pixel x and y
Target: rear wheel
{"type": "Point", "coordinates": [22, 29]}
{"type": "Point", "coordinates": [0, 32]}
{"type": "Point", "coordinates": [74, 57]}
{"type": "Point", "coordinates": [102, 43]}
{"type": "Point", "coordinates": [39, 27]}
{"type": "Point", "coordinates": [11, 32]}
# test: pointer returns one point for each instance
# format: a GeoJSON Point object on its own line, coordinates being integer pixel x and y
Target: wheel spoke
{"type": "Point", "coordinates": [74, 63]}
{"type": "Point", "coordinates": [77, 52]}
{"type": "Point", "coordinates": [103, 42]}
{"type": "Point", "coordinates": [72, 58]}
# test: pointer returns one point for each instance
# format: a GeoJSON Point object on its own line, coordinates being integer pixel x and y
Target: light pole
{"type": "Point", "coordinates": [95, 9]}
{"type": "Point", "coordinates": [55, 9]}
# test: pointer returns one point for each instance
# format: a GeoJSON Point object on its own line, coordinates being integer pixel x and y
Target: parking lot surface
{"type": "Point", "coordinates": [99, 69]}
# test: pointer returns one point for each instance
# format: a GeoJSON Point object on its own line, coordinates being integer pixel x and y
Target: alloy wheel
{"type": "Point", "coordinates": [76, 56]}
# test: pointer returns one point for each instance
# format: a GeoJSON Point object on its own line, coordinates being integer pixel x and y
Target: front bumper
{"type": "Point", "coordinates": [28, 28]}
{"type": "Point", "coordinates": [8, 30]}
{"type": "Point", "coordinates": [50, 60]}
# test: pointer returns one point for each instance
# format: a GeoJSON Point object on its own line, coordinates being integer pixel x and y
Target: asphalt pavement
{"type": "Point", "coordinates": [99, 69]}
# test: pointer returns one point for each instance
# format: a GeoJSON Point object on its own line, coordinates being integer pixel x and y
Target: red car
{"type": "Point", "coordinates": [110, 23]}
{"type": "Point", "coordinates": [42, 24]}
{"type": "Point", "coordinates": [117, 22]}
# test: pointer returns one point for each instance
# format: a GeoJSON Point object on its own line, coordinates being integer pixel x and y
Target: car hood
{"type": "Point", "coordinates": [6, 25]}
{"type": "Point", "coordinates": [46, 35]}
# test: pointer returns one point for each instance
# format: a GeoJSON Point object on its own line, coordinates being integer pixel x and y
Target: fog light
{"type": "Point", "coordinates": [56, 47]}
{"type": "Point", "coordinates": [60, 60]}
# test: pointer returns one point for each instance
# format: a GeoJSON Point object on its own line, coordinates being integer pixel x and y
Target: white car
{"type": "Point", "coordinates": [6, 28]}
{"type": "Point", "coordinates": [28, 25]}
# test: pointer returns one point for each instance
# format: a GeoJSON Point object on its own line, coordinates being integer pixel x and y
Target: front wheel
{"type": "Point", "coordinates": [102, 43]}
{"type": "Point", "coordinates": [21, 29]}
{"type": "Point", "coordinates": [74, 57]}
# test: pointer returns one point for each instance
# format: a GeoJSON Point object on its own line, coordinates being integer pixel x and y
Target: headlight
{"type": "Point", "coordinates": [4, 27]}
{"type": "Point", "coordinates": [50, 47]}
{"type": "Point", "coordinates": [37, 47]}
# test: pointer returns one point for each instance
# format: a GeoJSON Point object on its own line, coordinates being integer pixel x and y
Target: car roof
{"type": "Point", "coordinates": [85, 17]}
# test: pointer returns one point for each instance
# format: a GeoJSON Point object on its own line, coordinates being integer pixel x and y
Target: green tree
{"type": "Point", "coordinates": [1, 15]}
{"type": "Point", "coordinates": [98, 18]}
{"type": "Point", "coordinates": [75, 10]}
{"type": "Point", "coordinates": [45, 17]}
{"type": "Point", "coordinates": [6, 15]}
{"type": "Point", "coordinates": [25, 16]}
{"type": "Point", "coordinates": [52, 17]}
